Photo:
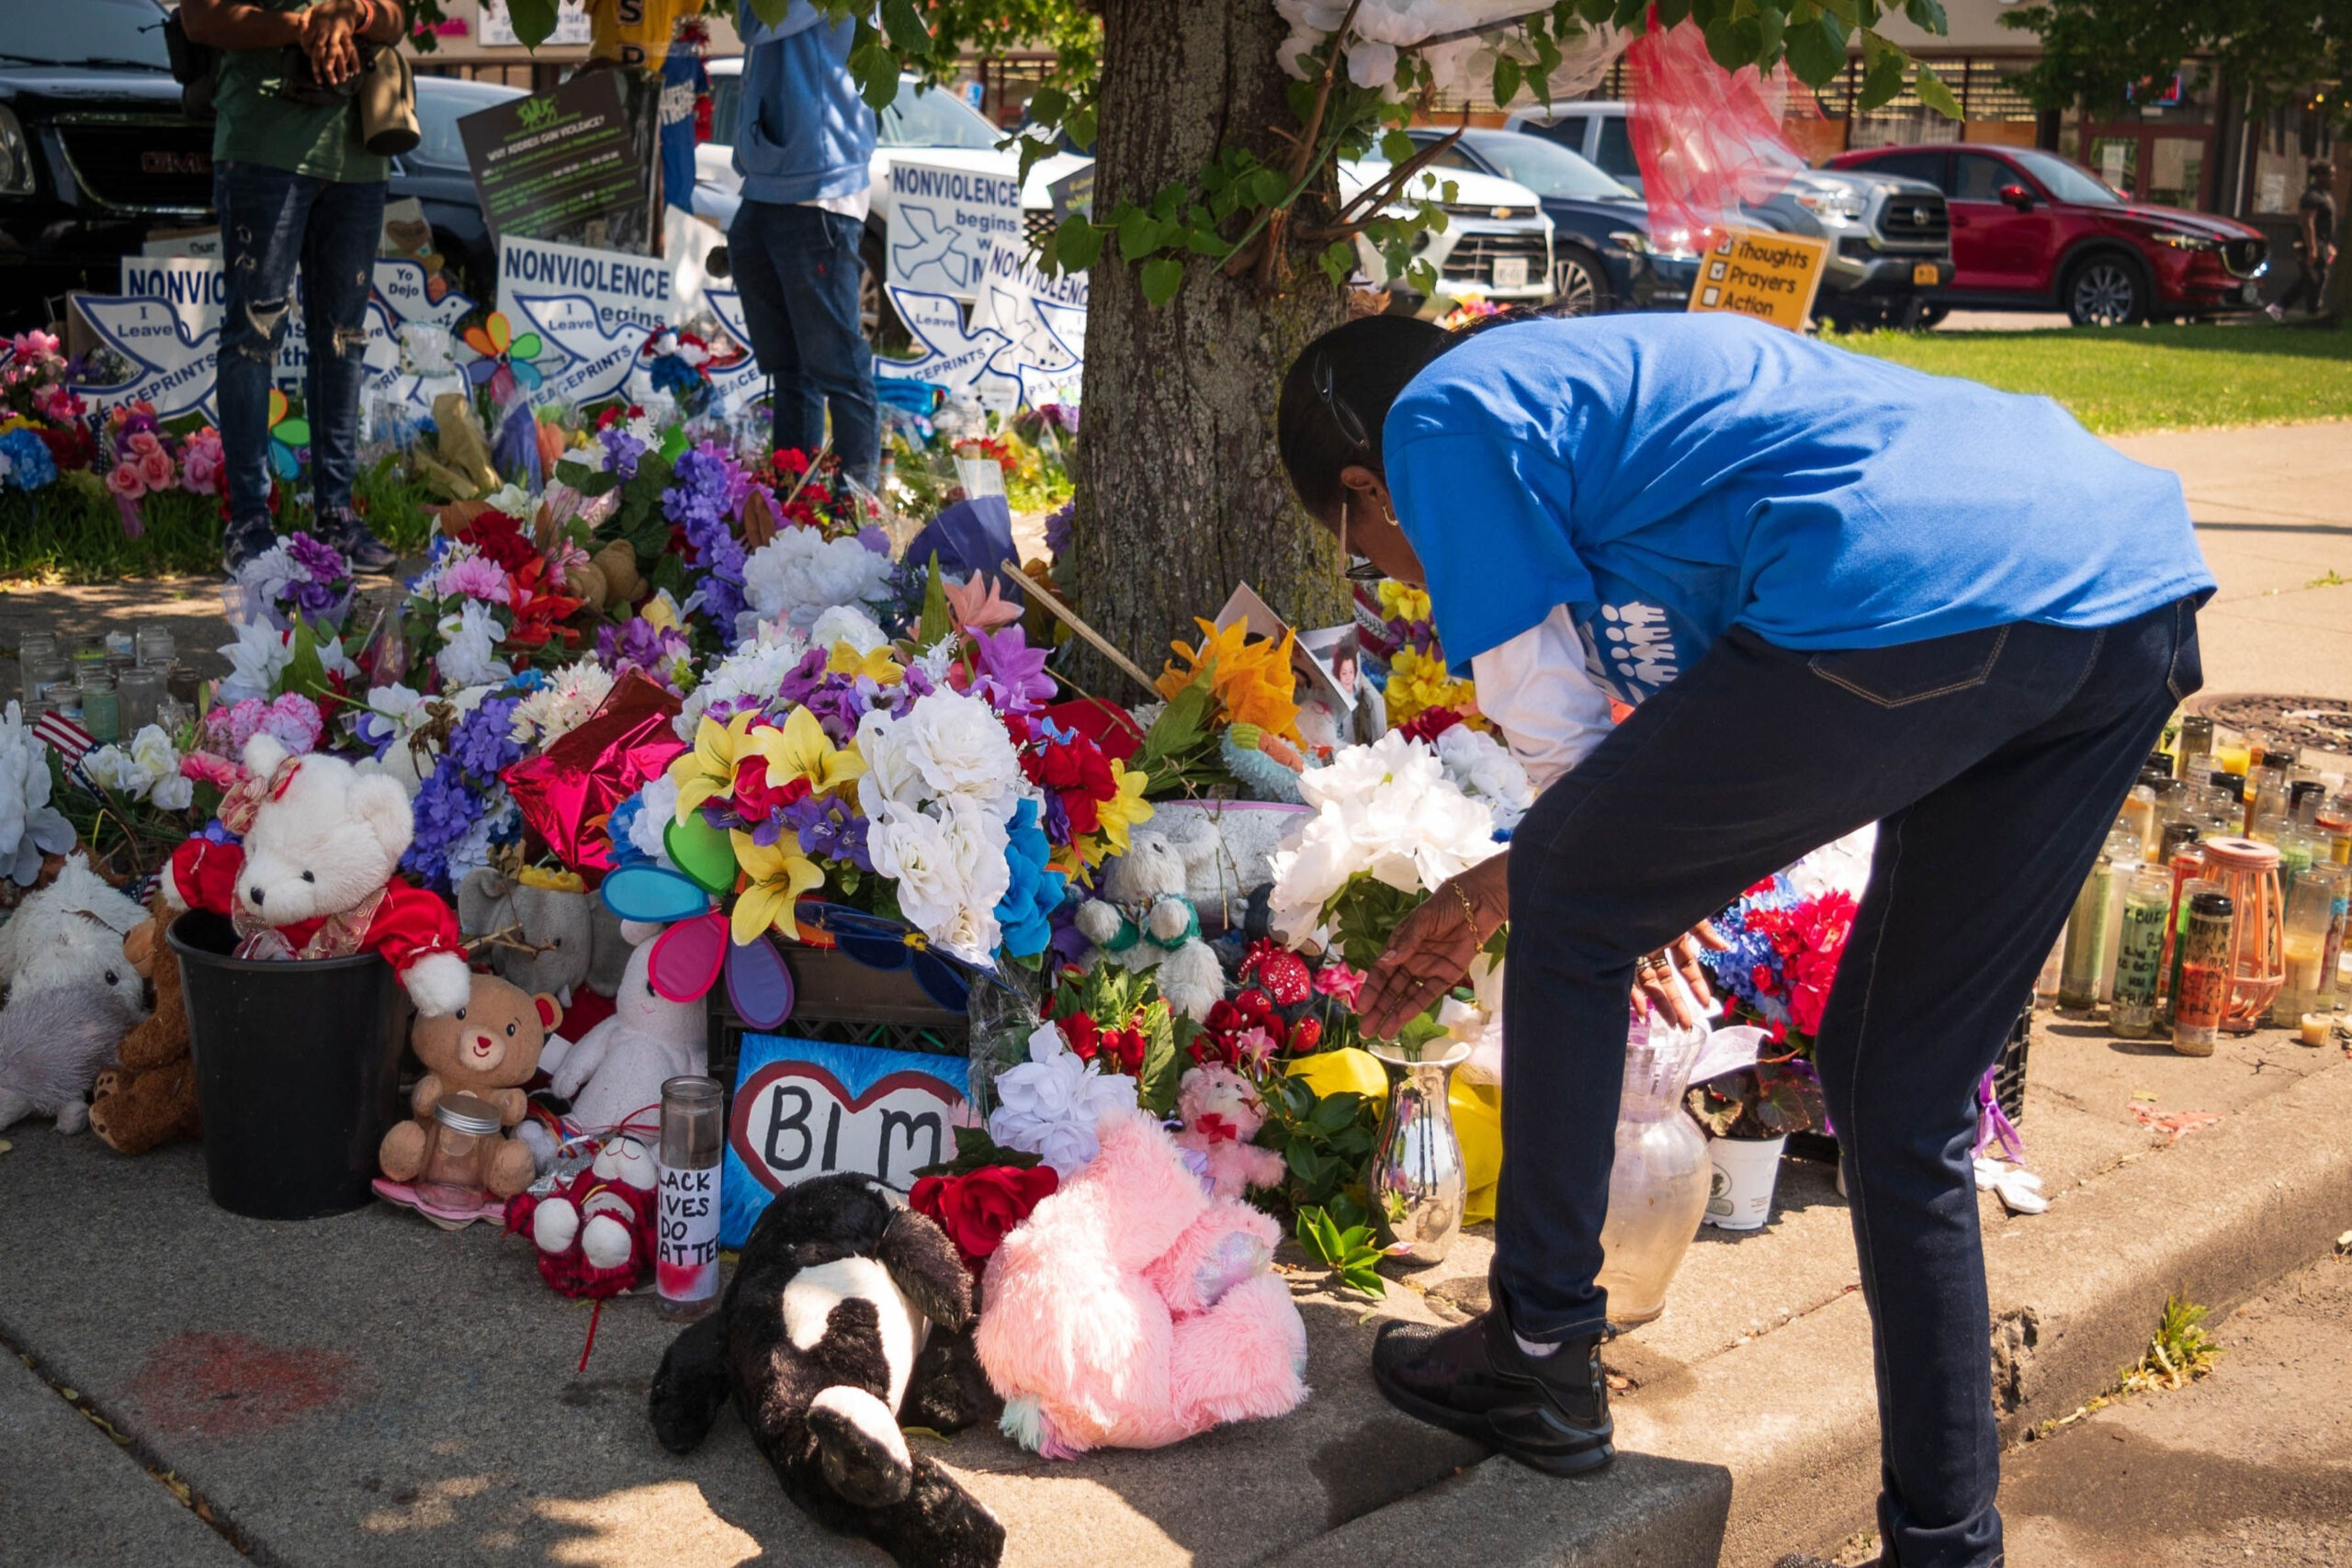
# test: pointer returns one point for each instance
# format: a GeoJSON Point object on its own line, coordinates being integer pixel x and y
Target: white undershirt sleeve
{"type": "Point", "coordinates": [1538, 693]}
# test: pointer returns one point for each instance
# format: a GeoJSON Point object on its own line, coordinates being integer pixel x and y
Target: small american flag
{"type": "Point", "coordinates": [70, 738]}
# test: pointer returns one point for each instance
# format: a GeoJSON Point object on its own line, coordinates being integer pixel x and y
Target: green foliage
{"type": "Point", "coordinates": [1179, 754]}
{"type": "Point", "coordinates": [975, 1150]}
{"type": "Point", "coordinates": [640, 518]}
{"type": "Point", "coordinates": [1770, 1099]}
{"type": "Point", "coordinates": [1126, 999]}
{"type": "Point", "coordinates": [2179, 1352]}
{"type": "Point", "coordinates": [71, 530]}
{"type": "Point", "coordinates": [1349, 1253]}
{"type": "Point", "coordinates": [398, 507]}
{"type": "Point", "coordinates": [2095, 52]}
{"type": "Point", "coordinates": [2118, 380]}
{"type": "Point", "coordinates": [936, 623]}
{"type": "Point", "coordinates": [1326, 1141]}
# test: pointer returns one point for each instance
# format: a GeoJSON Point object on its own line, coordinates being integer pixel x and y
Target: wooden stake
{"type": "Point", "coordinates": [1069, 617]}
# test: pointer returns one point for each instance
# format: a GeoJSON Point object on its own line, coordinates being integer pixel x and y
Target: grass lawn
{"type": "Point", "coordinates": [2118, 380]}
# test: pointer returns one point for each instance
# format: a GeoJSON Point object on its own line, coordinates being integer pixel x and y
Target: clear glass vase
{"type": "Point", "coordinates": [1658, 1183]}
{"type": "Point", "coordinates": [1418, 1185]}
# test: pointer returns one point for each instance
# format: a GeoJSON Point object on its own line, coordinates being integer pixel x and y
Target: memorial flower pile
{"type": "Point", "coordinates": [1785, 946]}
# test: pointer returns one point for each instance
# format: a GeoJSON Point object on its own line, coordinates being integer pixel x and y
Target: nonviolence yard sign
{"type": "Point", "coordinates": [1761, 273]}
{"type": "Point", "coordinates": [944, 223]}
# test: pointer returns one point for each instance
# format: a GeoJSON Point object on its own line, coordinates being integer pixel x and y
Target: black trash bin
{"type": "Point", "coordinates": [297, 1071]}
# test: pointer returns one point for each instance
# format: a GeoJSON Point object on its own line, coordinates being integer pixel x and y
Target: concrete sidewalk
{"type": "Point", "coordinates": [369, 1390]}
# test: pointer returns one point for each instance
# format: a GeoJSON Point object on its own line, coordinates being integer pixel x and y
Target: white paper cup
{"type": "Point", "coordinates": [1746, 1169]}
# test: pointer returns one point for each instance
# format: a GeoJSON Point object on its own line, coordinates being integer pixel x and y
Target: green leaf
{"type": "Point", "coordinates": [305, 671]}
{"type": "Point", "coordinates": [1816, 49]}
{"type": "Point", "coordinates": [1928, 15]}
{"type": "Point", "coordinates": [1882, 71]}
{"type": "Point", "coordinates": [1139, 234]}
{"type": "Point", "coordinates": [1049, 104]}
{"type": "Point", "coordinates": [1506, 77]}
{"type": "Point", "coordinates": [1080, 127]}
{"type": "Point", "coordinates": [936, 623]}
{"type": "Point", "coordinates": [904, 24]}
{"type": "Point", "coordinates": [975, 1149]}
{"type": "Point", "coordinates": [1334, 1111]}
{"type": "Point", "coordinates": [1077, 243]}
{"type": "Point", "coordinates": [1162, 1067]}
{"type": "Point", "coordinates": [1934, 93]}
{"type": "Point", "coordinates": [534, 21]}
{"type": "Point", "coordinates": [1396, 146]}
{"type": "Point", "coordinates": [772, 12]}
{"type": "Point", "coordinates": [1162, 277]}
{"type": "Point", "coordinates": [877, 70]}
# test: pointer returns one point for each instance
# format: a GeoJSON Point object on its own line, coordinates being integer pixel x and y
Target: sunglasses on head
{"type": "Point", "coordinates": [1359, 567]}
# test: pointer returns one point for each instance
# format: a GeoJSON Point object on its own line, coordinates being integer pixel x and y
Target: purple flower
{"type": "Point", "coordinates": [803, 679]}
{"type": "Point", "coordinates": [638, 644]}
{"type": "Point", "coordinates": [621, 450]}
{"type": "Point", "coordinates": [321, 560]}
{"type": "Point", "coordinates": [1013, 676]}
{"type": "Point", "coordinates": [829, 830]}
{"type": "Point", "coordinates": [1058, 527]}
{"type": "Point", "coordinates": [482, 743]}
{"type": "Point", "coordinates": [711, 485]}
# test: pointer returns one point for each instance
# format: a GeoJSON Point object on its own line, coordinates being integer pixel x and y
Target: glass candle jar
{"type": "Point", "coordinates": [2139, 964]}
{"type": "Point", "coordinates": [2310, 910]}
{"type": "Point", "coordinates": [2204, 974]}
{"type": "Point", "coordinates": [2079, 970]}
{"type": "Point", "coordinates": [139, 694]}
{"type": "Point", "coordinates": [181, 681]}
{"type": "Point", "coordinates": [685, 1259]}
{"type": "Point", "coordinates": [2196, 745]}
{"type": "Point", "coordinates": [154, 644]}
{"type": "Point", "coordinates": [456, 1162]}
{"type": "Point", "coordinates": [44, 676]}
{"type": "Point", "coordinates": [101, 709]}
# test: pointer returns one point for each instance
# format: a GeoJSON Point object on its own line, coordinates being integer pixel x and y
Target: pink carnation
{"type": "Point", "coordinates": [206, 767]}
{"type": "Point", "coordinates": [476, 577]}
{"type": "Point", "coordinates": [294, 719]}
{"type": "Point", "coordinates": [126, 481]}
{"type": "Point", "coordinates": [243, 718]}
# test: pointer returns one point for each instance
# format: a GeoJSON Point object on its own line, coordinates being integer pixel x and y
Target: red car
{"type": "Point", "coordinates": [2033, 231]}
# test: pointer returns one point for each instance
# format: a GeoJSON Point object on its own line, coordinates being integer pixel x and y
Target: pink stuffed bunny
{"type": "Point", "coordinates": [1221, 1114]}
{"type": "Point", "coordinates": [1132, 1310]}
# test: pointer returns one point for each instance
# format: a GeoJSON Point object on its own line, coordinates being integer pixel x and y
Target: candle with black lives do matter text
{"type": "Point", "coordinates": [685, 1192]}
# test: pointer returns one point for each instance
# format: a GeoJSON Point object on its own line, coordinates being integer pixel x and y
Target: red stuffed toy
{"type": "Point", "coordinates": [594, 1234]}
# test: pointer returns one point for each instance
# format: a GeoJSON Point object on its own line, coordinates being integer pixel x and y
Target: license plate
{"type": "Point", "coordinates": [1510, 271]}
{"type": "Point", "coordinates": [1923, 274]}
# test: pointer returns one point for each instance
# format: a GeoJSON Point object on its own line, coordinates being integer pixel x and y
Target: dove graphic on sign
{"type": "Point", "coordinates": [955, 356]}
{"type": "Point", "coordinates": [406, 289]}
{"type": "Point", "coordinates": [739, 379]}
{"type": "Point", "coordinates": [934, 248]}
{"type": "Point", "coordinates": [171, 366]}
{"type": "Point", "coordinates": [597, 357]}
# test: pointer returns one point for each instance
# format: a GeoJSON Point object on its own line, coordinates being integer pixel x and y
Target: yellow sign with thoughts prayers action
{"type": "Point", "coordinates": [1761, 273]}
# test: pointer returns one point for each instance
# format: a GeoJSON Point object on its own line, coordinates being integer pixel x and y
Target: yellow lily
{"type": "Point", "coordinates": [846, 660]}
{"type": "Point", "coordinates": [799, 749]}
{"type": "Point", "coordinates": [709, 769]}
{"type": "Point", "coordinates": [779, 873]}
{"type": "Point", "coordinates": [1124, 809]}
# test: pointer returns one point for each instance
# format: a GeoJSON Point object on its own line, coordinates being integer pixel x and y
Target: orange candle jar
{"type": "Point", "coordinates": [2247, 872]}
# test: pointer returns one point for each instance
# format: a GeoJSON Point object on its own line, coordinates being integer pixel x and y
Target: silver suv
{"type": "Point", "coordinates": [1890, 239]}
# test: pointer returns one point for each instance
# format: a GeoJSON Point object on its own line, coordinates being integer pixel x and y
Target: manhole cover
{"type": "Point", "coordinates": [2321, 724]}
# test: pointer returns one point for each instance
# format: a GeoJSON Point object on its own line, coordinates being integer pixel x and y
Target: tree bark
{"type": "Point", "coordinates": [1181, 491]}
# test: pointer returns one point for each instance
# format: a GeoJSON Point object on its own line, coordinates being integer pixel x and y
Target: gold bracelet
{"type": "Point", "coordinates": [1469, 911]}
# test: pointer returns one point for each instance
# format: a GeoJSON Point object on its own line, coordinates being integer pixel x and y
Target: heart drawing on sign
{"type": "Point", "coordinates": [794, 1120]}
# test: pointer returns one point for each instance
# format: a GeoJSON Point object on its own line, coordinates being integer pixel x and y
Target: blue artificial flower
{"type": "Point", "coordinates": [1026, 910]}
{"type": "Point", "coordinates": [29, 465]}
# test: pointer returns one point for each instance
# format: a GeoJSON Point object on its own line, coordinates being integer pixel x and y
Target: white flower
{"type": "Point", "coordinates": [29, 827]}
{"type": "Point", "coordinates": [755, 670]}
{"type": "Point", "coordinates": [468, 655]}
{"type": "Point", "coordinates": [153, 749]}
{"type": "Point", "coordinates": [1051, 1104]}
{"type": "Point", "coordinates": [264, 577]}
{"type": "Point", "coordinates": [950, 871]}
{"type": "Point", "coordinates": [800, 575]}
{"type": "Point", "coordinates": [112, 769]}
{"type": "Point", "coordinates": [847, 623]}
{"type": "Point", "coordinates": [660, 807]}
{"type": "Point", "coordinates": [257, 661]}
{"type": "Point", "coordinates": [514, 500]}
{"type": "Point", "coordinates": [173, 794]}
{"type": "Point", "coordinates": [1386, 809]}
{"type": "Point", "coordinates": [568, 700]}
{"type": "Point", "coordinates": [426, 348]}
{"type": "Point", "coordinates": [959, 745]}
{"type": "Point", "coordinates": [1484, 769]}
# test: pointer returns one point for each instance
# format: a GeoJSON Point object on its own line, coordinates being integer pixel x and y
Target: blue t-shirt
{"type": "Point", "coordinates": [1668, 477]}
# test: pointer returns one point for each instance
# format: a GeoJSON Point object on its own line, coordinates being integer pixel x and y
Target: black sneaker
{"type": "Point", "coordinates": [1549, 1412]}
{"type": "Point", "coordinates": [365, 552]}
{"type": "Point", "coordinates": [241, 545]}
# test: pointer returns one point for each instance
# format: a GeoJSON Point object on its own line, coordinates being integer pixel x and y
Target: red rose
{"type": "Point", "coordinates": [1124, 1047]}
{"type": "Point", "coordinates": [979, 1209]}
{"type": "Point", "coordinates": [756, 799]}
{"type": "Point", "coordinates": [1085, 1038]}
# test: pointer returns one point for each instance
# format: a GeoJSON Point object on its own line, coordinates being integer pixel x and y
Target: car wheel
{"type": "Point", "coordinates": [1579, 287]}
{"type": "Point", "coordinates": [875, 315]}
{"type": "Point", "coordinates": [2106, 290]}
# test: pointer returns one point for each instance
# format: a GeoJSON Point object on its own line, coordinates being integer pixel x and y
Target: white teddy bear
{"type": "Point", "coordinates": [1144, 921]}
{"type": "Point", "coordinates": [314, 877]}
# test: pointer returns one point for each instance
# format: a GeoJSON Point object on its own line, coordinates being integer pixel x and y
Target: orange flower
{"type": "Point", "coordinates": [1251, 680]}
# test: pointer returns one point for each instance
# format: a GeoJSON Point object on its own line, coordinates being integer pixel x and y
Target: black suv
{"type": "Point", "coordinates": [95, 152]}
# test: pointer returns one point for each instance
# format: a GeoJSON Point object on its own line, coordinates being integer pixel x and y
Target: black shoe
{"type": "Point", "coordinates": [243, 544]}
{"type": "Point", "coordinates": [1549, 1412]}
{"type": "Point", "coordinates": [365, 552]}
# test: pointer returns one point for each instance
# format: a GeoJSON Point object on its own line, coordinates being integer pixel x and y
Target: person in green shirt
{"type": "Point", "coordinates": [295, 186]}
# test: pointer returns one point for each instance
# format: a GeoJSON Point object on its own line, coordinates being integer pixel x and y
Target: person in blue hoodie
{"type": "Point", "coordinates": [802, 145]}
{"type": "Point", "coordinates": [1838, 591]}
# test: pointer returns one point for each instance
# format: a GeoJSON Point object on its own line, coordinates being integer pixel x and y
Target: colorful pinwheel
{"type": "Point", "coordinates": [288, 434]}
{"type": "Point", "coordinates": [506, 361]}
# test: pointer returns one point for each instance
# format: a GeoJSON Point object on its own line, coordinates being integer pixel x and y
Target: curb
{"type": "Point", "coordinates": [1772, 1447]}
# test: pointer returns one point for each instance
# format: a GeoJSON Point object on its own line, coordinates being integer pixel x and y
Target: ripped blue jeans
{"type": "Point", "coordinates": [273, 222]}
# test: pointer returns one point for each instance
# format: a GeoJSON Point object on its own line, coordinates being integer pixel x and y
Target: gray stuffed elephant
{"type": "Point", "coordinates": [556, 922]}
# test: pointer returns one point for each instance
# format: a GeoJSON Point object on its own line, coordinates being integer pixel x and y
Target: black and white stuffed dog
{"type": "Point", "coordinates": [824, 1338]}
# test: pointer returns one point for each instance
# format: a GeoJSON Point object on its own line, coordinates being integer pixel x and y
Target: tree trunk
{"type": "Point", "coordinates": [1180, 493]}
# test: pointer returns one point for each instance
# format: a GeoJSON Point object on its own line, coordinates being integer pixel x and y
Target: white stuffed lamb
{"type": "Point", "coordinates": [613, 1072]}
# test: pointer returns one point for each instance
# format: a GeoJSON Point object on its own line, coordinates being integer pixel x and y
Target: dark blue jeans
{"type": "Point", "coordinates": [271, 221]}
{"type": "Point", "coordinates": [797, 268]}
{"type": "Point", "coordinates": [1994, 762]}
